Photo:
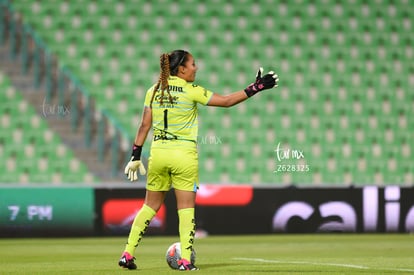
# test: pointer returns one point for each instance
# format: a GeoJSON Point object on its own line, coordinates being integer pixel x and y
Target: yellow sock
{"type": "Point", "coordinates": [138, 228]}
{"type": "Point", "coordinates": [187, 229]}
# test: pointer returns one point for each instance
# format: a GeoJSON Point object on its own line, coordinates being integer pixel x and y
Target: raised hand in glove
{"type": "Point", "coordinates": [268, 81]}
{"type": "Point", "coordinates": [135, 164]}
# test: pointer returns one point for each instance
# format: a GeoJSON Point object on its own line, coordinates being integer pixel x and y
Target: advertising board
{"type": "Point", "coordinates": [46, 211]}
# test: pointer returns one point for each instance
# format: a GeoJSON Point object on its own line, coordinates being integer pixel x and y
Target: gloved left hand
{"type": "Point", "coordinates": [268, 81]}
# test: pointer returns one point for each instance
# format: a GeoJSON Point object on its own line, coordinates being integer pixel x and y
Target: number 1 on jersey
{"type": "Point", "coordinates": [165, 119]}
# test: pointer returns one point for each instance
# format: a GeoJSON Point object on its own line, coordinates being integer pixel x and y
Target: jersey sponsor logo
{"type": "Point", "coordinates": [163, 137]}
{"type": "Point", "coordinates": [175, 89]}
{"type": "Point", "coordinates": [166, 103]}
{"type": "Point", "coordinates": [166, 98]}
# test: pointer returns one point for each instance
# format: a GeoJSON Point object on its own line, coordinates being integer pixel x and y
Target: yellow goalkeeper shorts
{"type": "Point", "coordinates": [173, 167]}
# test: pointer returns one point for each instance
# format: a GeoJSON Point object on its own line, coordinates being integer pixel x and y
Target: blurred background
{"type": "Point", "coordinates": [73, 75]}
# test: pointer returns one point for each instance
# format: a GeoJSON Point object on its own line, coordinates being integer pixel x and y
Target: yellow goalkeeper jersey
{"type": "Point", "coordinates": [176, 120]}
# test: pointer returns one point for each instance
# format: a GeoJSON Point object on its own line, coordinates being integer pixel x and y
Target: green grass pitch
{"type": "Point", "coordinates": [264, 254]}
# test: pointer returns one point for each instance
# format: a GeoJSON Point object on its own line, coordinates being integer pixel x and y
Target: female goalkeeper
{"type": "Point", "coordinates": [170, 109]}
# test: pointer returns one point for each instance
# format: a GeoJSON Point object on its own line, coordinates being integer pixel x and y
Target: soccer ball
{"type": "Point", "coordinates": [173, 255]}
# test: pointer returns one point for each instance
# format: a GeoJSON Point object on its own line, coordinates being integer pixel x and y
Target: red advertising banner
{"type": "Point", "coordinates": [224, 195]}
{"type": "Point", "coordinates": [119, 214]}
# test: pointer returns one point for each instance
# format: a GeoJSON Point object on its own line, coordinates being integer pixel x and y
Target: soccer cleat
{"type": "Point", "coordinates": [184, 265]}
{"type": "Point", "coordinates": [127, 261]}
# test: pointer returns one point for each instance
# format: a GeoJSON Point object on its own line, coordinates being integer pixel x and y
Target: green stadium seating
{"type": "Point", "coordinates": [345, 67]}
{"type": "Point", "coordinates": [30, 151]}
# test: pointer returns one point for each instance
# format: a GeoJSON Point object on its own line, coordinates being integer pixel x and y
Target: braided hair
{"type": "Point", "coordinates": [169, 63]}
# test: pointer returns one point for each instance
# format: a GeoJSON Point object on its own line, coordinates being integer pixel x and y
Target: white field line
{"type": "Point", "coordinates": [321, 264]}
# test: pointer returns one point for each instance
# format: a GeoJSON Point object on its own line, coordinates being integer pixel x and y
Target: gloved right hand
{"type": "Point", "coordinates": [268, 81]}
{"type": "Point", "coordinates": [135, 164]}
{"type": "Point", "coordinates": [132, 167]}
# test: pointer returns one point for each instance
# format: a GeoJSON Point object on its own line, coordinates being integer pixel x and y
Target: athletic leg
{"type": "Point", "coordinates": [185, 199]}
{"type": "Point", "coordinates": [153, 202]}
{"type": "Point", "coordinates": [187, 226]}
{"type": "Point", "coordinates": [184, 177]}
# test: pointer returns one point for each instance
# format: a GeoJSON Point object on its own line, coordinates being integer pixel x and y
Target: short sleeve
{"type": "Point", "coordinates": [200, 94]}
{"type": "Point", "coordinates": [148, 97]}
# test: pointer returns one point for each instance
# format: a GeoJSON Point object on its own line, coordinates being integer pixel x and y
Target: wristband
{"type": "Point", "coordinates": [250, 91]}
{"type": "Point", "coordinates": [136, 152]}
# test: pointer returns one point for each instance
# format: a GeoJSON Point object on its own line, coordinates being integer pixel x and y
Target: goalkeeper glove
{"type": "Point", "coordinates": [135, 164]}
{"type": "Point", "coordinates": [268, 81]}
